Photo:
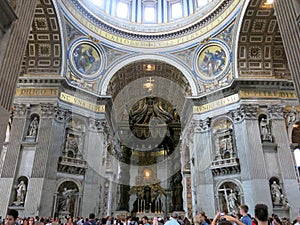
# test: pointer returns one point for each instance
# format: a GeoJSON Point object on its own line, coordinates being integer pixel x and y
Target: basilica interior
{"type": "Point", "coordinates": [146, 107]}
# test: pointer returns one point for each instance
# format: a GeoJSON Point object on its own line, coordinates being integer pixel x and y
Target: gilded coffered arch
{"type": "Point", "coordinates": [44, 51]}
{"type": "Point", "coordinates": [260, 48]}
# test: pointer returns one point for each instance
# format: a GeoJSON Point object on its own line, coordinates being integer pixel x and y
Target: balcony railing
{"type": "Point", "coordinates": [225, 166]}
{"type": "Point", "coordinates": [71, 165]}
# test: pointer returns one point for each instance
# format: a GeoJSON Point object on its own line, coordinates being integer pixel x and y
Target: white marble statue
{"type": "Point", "coordinates": [21, 192]}
{"type": "Point", "coordinates": [284, 201]}
{"type": "Point", "coordinates": [33, 127]}
{"type": "Point", "coordinates": [276, 193]}
{"type": "Point", "coordinates": [67, 195]}
{"type": "Point", "coordinates": [232, 202]}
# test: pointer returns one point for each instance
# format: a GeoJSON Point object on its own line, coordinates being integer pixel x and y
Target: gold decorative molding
{"type": "Point", "coordinates": [82, 103]}
{"type": "Point", "coordinates": [37, 92]}
{"type": "Point", "coordinates": [216, 104]}
{"type": "Point", "coordinates": [267, 94]}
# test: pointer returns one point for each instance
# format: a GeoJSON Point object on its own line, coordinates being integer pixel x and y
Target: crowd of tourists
{"type": "Point", "coordinates": [261, 217]}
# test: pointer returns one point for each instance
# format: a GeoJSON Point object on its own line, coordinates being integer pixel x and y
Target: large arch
{"type": "Point", "coordinates": [185, 71]}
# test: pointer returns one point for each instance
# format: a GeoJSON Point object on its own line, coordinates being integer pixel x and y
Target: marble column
{"type": "Point", "coordinates": [12, 157]}
{"type": "Point", "coordinates": [13, 45]}
{"type": "Point", "coordinates": [285, 160]}
{"type": "Point", "coordinates": [203, 180]}
{"type": "Point", "coordinates": [287, 13]}
{"type": "Point", "coordinates": [252, 162]}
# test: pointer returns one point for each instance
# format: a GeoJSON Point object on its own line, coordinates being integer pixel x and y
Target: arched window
{"type": "Point", "coordinates": [122, 10]}
{"type": "Point", "coordinates": [176, 10]}
{"type": "Point", "coordinates": [202, 3]}
{"type": "Point", "coordinates": [149, 14]}
{"type": "Point", "coordinates": [98, 3]}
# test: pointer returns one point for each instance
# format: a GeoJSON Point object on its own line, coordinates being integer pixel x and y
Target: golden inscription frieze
{"type": "Point", "coordinates": [82, 103]}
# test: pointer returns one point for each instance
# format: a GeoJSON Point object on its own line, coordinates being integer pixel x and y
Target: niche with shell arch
{"type": "Point", "coordinates": [265, 128]}
{"type": "Point", "coordinates": [229, 196]}
{"type": "Point", "coordinates": [20, 191]}
{"type": "Point", "coordinates": [32, 128]}
{"type": "Point", "coordinates": [275, 190]}
{"type": "Point", "coordinates": [68, 201]}
{"type": "Point", "coordinates": [224, 142]}
{"type": "Point", "coordinates": [74, 138]}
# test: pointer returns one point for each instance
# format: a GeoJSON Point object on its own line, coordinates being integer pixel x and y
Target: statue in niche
{"type": "Point", "coordinates": [276, 192]}
{"type": "Point", "coordinates": [224, 147]}
{"type": "Point", "coordinates": [265, 130]}
{"type": "Point", "coordinates": [223, 144]}
{"type": "Point", "coordinates": [72, 145]}
{"type": "Point", "coordinates": [292, 116]}
{"type": "Point", "coordinates": [33, 127]}
{"type": "Point", "coordinates": [147, 196]}
{"type": "Point", "coordinates": [67, 196]}
{"type": "Point", "coordinates": [231, 201]}
{"type": "Point", "coordinates": [218, 153]}
{"type": "Point", "coordinates": [229, 144]}
{"type": "Point", "coordinates": [21, 192]}
{"type": "Point", "coordinates": [229, 197]}
{"type": "Point", "coordinates": [177, 192]}
{"type": "Point", "coordinates": [156, 203]}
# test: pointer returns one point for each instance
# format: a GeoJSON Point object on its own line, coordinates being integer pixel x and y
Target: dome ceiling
{"type": "Point", "coordinates": [150, 16]}
{"type": "Point", "coordinates": [195, 20]}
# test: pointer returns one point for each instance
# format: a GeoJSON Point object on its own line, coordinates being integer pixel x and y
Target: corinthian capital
{"type": "Point", "coordinates": [201, 125]}
{"type": "Point", "coordinates": [275, 111]}
{"type": "Point", "coordinates": [20, 110]}
{"type": "Point", "coordinates": [60, 114]}
{"type": "Point", "coordinates": [250, 111]}
{"type": "Point", "coordinates": [48, 109]}
{"type": "Point", "coordinates": [97, 125]}
{"type": "Point", "coordinates": [238, 115]}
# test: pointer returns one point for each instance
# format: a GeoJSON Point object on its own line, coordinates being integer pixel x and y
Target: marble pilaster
{"type": "Point", "coordinates": [43, 188]}
{"type": "Point", "coordinates": [10, 164]}
{"type": "Point", "coordinates": [50, 177]}
{"type": "Point", "coordinates": [11, 56]}
{"type": "Point", "coordinates": [203, 182]}
{"type": "Point", "coordinates": [93, 155]}
{"type": "Point", "coordinates": [253, 166]}
{"type": "Point", "coordinates": [286, 165]}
